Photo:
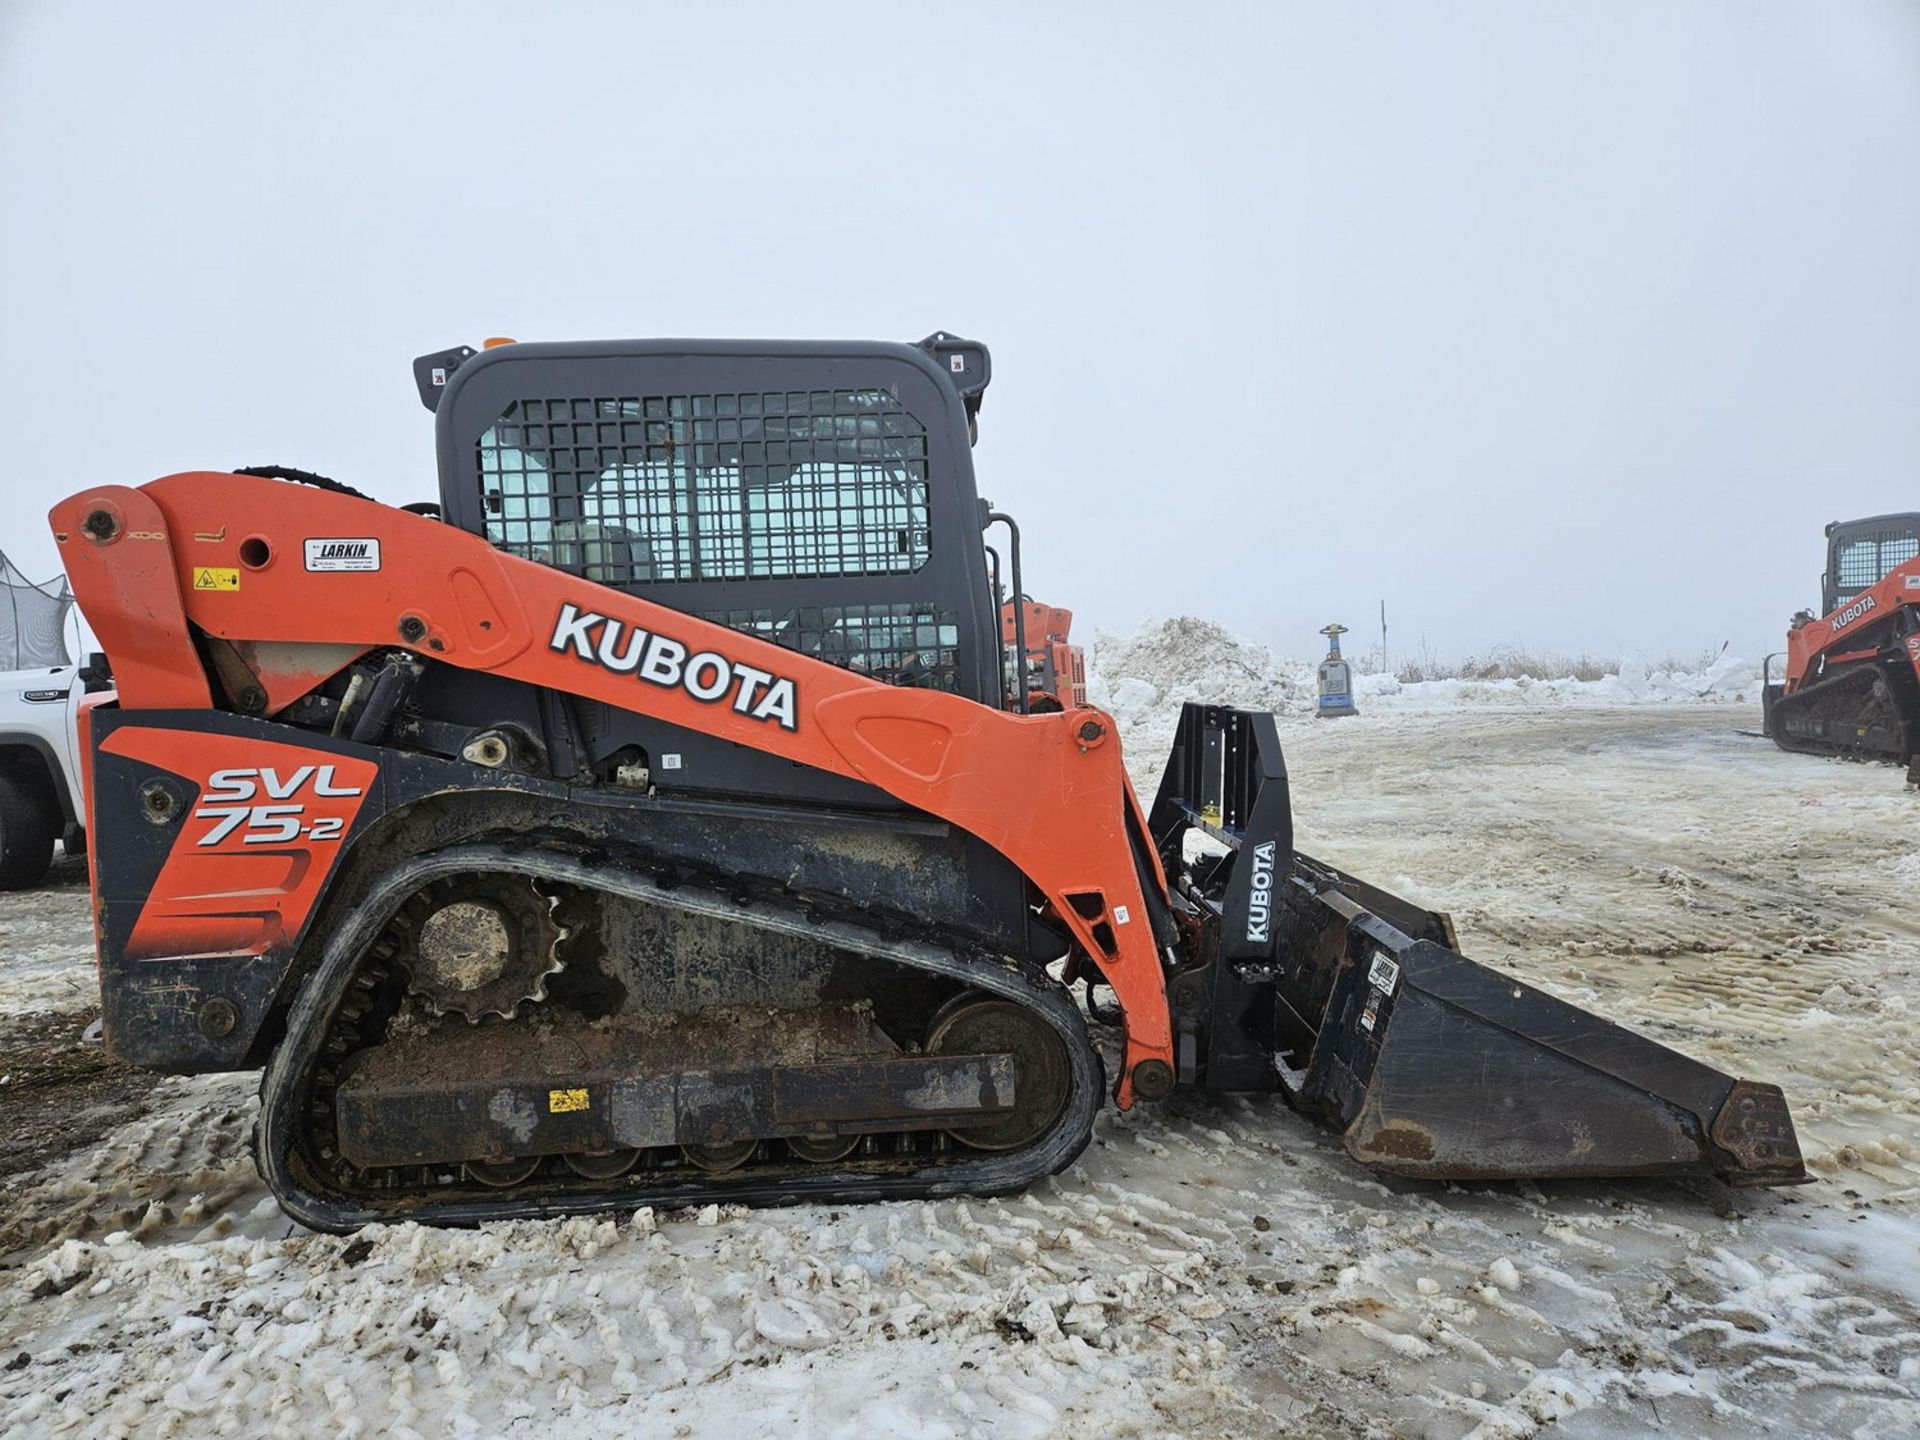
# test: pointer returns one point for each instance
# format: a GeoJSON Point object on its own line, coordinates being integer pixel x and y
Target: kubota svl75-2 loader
{"type": "Point", "coordinates": [657, 820]}
{"type": "Point", "coordinates": [1851, 686]}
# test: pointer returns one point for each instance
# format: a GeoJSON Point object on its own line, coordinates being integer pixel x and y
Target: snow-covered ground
{"type": "Point", "coordinates": [46, 948]}
{"type": "Point", "coordinates": [1206, 1269]}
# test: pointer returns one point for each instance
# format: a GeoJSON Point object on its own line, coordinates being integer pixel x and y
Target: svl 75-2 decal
{"type": "Point", "coordinates": [283, 818]}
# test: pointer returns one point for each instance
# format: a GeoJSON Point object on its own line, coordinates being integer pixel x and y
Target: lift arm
{"type": "Point", "coordinates": [234, 557]}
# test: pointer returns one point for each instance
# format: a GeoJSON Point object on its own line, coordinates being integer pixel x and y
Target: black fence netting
{"type": "Point", "coordinates": [33, 620]}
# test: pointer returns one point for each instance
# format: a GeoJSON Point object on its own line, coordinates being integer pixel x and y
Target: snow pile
{"type": "Point", "coordinates": [1142, 680]}
{"type": "Point", "coordinates": [1728, 680]}
{"type": "Point", "coordinates": [1173, 661]}
{"type": "Point", "coordinates": [1144, 677]}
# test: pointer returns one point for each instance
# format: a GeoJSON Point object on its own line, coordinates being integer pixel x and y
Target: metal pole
{"type": "Point", "coordinates": [1019, 610]}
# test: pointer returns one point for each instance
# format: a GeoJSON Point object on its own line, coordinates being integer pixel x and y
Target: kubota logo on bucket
{"type": "Point", "coordinates": [1260, 893]}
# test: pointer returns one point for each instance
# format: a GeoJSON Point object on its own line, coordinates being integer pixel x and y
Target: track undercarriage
{"type": "Point", "coordinates": [829, 1062]}
{"type": "Point", "coordinates": [1866, 711]}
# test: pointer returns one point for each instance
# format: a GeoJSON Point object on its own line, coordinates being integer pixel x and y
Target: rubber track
{"type": "Point", "coordinates": [286, 1084]}
{"type": "Point", "coordinates": [1879, 686]}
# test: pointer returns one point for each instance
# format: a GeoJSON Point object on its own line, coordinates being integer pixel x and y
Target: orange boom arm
{"type": "Point", "coordinates": [226, 554]}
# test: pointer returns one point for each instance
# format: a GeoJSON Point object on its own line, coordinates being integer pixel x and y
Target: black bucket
{"type": "Point", "coordinates": [1359, 1007]}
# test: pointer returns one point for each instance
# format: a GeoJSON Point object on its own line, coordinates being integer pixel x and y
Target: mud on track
{"type": "Point", "coordinates": [1207, 1269]}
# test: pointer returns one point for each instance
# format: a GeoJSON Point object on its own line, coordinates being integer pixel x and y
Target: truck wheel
{"type": "Point", "coordinates": [28, 823]}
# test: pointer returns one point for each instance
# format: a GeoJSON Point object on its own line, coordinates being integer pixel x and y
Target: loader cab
{"type": "Point", "coordinates": [1861, 553]}
{"type": "Point", "coordinates": [817, 495]}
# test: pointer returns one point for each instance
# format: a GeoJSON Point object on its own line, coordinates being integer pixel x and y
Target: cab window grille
{"type": "Point", "coordinates": [899, 644]}
{"type": "Point", "coordinates": [652, 490]}
{"type": "Point", "coordinates": [1868, 559]}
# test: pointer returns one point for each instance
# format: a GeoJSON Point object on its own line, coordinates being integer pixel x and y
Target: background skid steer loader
{"type": "Point", "coordinates": [1851, 685]}
{"type": "Point", "coordinates": [660, 820]}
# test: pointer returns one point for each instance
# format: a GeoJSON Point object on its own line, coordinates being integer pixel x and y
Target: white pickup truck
{"type": "Point", "coordinates": [40, 798]}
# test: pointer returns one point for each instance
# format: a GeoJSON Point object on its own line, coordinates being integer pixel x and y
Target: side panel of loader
{"type": "Point", "coordinates": [449, 597]}
{"type": "Point", "coordinates": [205, 923]}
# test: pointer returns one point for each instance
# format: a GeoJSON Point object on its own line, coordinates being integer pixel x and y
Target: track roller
{"type": "Point", "coordinates": [503, 1174]}
{"type": "Point", "coordinates": [823, 1149]}
{"type": "Point", "coordinates": [718, 1159]}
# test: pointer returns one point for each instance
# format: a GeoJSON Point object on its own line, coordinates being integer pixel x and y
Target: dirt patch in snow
{"type": "Point", "coordinates": [57, 1093]}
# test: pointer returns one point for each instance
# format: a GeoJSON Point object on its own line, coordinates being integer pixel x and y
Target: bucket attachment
{"type": "Point", "coordinates": [1359, 1008]}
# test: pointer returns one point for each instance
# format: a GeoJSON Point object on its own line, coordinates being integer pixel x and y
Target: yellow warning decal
{"type": "Point", "coordinates": [215, 577]}
{"type": "Point", "coordinates": [563, 1102]}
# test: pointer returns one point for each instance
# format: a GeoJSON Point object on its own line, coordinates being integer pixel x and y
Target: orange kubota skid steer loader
{"type": "Point", "coordinates": [1851, 683]}
{"type": "Point", "coordinates": [659, 819]}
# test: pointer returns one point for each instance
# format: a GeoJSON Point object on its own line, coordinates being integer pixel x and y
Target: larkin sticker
{"type": "Point", "coordinates": [343, 554]}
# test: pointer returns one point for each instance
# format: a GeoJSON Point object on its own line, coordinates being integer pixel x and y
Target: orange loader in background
{"type": "Point", "coordinates": [1055, 669]}
{"type": "Point", "coordinates": [1851, 685]}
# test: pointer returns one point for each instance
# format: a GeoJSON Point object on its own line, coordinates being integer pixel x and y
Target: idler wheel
{"type": "Point", "coordinates": [1042, 1077]}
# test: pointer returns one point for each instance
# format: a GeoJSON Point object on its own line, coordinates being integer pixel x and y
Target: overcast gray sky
{"type": "Point", "coordinates": [1561, 325]}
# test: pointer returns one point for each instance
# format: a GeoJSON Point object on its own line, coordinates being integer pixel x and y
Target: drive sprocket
{"type": "Point", "coordinates": [477, 946]}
